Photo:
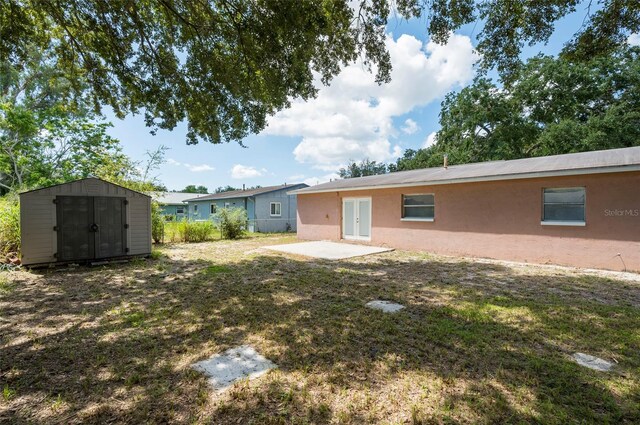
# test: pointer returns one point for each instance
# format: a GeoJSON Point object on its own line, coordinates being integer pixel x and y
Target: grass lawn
{"type": "Point", "coordinates": [478, 341]}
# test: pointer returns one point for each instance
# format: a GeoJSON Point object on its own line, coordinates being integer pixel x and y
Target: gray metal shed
{"type": "Point", "coordinates": [84, 220]}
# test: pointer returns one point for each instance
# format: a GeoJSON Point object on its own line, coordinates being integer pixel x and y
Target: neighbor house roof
{"type": "Point", "coordinates": [247, 193]}
{"type": "Point", "coordinates": [173, 198]}
{"type": "Point", "coordinates": [613, 160]}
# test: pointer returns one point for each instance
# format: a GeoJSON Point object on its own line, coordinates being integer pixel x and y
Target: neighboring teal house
{"type": "Point", "coordinates": [173, 205]}
{"type": "Point", "coordinates": [269, 209]}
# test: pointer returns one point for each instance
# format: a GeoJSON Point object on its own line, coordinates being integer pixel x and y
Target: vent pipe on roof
{"type": "Point", "coordinates": [446, 161]}
{"type": "Point", "coordinates": [243, 186]}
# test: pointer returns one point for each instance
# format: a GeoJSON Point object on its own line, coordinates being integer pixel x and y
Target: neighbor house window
{"type": "Point", "coordinates": [227, 205]}
{"type": "Point", "coordinates": [180, 210]}
{"type": "Point", "coordinates": [418, 207]}
{"type": "Point", "coordinates": [563, 205]}
{"type": "Point", "coordinates": [195, 208]}
{"type": "Point", "coordinates": [276, 209]}
{"type": "Point", "coordinates": [213, 209]}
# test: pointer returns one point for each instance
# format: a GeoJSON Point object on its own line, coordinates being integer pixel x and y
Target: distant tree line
{"type": "Point", "coordinates": [203, 189]}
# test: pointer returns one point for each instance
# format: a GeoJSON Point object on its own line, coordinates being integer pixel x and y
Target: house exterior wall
{"type": "Point", "coordinates": [39, 241]}
{"type": "Point", "coordinates": [172, 210]}
{"type": "Point", "coordinates": [264, 222]}
{"type": "Point", "coordinates": [498, 219]}
{"type": "Point", "coordinates": [204, 207]}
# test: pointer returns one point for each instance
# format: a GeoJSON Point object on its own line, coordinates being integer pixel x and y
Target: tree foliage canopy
{"type": "Point", "coordinates": [192, 188]}
{"type": "Point", "coordinates": [555, 106]}
{"type": "Point", "coordinates": [363, 168]}
{"type": "Point", "coordinates": [223, 66]}
{"type": "Point", "coordinates": [49, 135]}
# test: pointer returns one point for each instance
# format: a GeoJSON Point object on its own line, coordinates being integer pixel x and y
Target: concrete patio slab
{"type": "Point", "coordinates": [386, 306]}
{"type": "Point", "coordinates": [328, 250]}
{"type": "Point", "coordinates": [592, 362]}
{"type": "Point", "coordinates": [232, 365]}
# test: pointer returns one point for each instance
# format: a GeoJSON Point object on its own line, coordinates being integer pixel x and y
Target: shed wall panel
{"type": "Point", "coordinates": [139, 226]}
{"type": "Point", "coordinates": [37, 220]}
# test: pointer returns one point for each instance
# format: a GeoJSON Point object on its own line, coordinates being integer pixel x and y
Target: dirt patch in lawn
{"type": "Point", "coordinates": [477, 341]}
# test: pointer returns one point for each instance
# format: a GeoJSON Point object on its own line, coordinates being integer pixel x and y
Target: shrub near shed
{"type": "Point", "coordinates": [232, 222]}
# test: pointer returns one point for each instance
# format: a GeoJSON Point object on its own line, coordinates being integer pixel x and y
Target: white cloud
{"type": "Point", "coordinates": [199, 168]}
{"type": "Point", "coordinates": [196, 168]}
{"type": "Point", "coordinates": [240, 171]}
{"type": "Point", "coordinates": [634, 39]}
{"type": "Point", "coordinates": [352, 118]}
{"type": "Point", "coordinates": [296, 177]}
{"type": "Point", "coordinates": [430, 140]}
{"type": "Point", "coordinates": [410, 126]}
{"type": "Point", "coordinates": [312, 181]}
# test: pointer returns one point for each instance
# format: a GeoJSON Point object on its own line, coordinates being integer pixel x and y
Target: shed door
{"type": "Point", "coordinates": [110, 234]}
{"type": "Point", "coordinates": [74, 219]}
{"type": "Point", "coordinates": [90, 227]}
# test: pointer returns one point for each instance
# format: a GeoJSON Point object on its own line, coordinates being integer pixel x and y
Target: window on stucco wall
{"type": "Point", "coordinates": [563, 205]}
{"type": "Point", "coordinates": [419, 206]}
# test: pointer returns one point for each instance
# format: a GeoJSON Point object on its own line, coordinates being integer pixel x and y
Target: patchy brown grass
{"type": "Point", "coordinates": [479, 342]}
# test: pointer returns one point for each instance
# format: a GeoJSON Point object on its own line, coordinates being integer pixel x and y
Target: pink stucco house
{"type": "Point", "coordinates": [579, 209]}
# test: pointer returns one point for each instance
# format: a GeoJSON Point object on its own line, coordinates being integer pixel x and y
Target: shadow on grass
{"type": "Point", "coordinates": [476, 343]}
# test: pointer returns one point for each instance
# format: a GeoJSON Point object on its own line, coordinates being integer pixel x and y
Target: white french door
{"type": "Point", "coordinates": [356, 218]}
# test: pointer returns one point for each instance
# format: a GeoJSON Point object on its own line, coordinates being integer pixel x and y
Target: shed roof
{"type": "Point", "coordinates": [613, 160]}
{"type": "Point", "coordinates": [174, 198]}
{"type": "Point", "coordinates": [80, 180]}
{"type": "Point", "coordinates": [248, 192]}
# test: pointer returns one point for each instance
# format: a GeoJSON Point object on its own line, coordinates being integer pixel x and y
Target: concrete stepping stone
{"type": "Point", "coordinates": [592, 362]}
{"type": "Point", "coordinates": [232, 365]}
{"type": "Point", "coordinates": [386, 306]}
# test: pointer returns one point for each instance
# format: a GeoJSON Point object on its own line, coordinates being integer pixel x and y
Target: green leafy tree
{"type": "Point", "coordinates": [48, 135]}
{"type": "Point", "coordinates": [192, 188]}
{"type": "Point", "coordinates": [157, 223]}
{"type": "Point", "coordinates": [362, 168]}
{"type": "Point", "coordinates": [226, 188]}
{"type": "Point", "coordinates": [555, 106]}
{"type": "Point", "coordinates": [225, 65]}
{"type": "Point", "coordinates": [9, 225]}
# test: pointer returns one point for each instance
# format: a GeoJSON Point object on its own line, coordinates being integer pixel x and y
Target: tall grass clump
{"type": "Point", "coordinates": [232, 222]}
{"type": "Point", "coordinates": [9, 224]}
{"type": "Point", "coordinates": [189, 231]}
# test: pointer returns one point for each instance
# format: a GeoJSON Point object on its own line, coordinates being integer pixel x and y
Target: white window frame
{"type": "Point", "coordinates": [427, 219]}
{"type": "Point", "coordinates": [576, 223]}
{"type": "Point", "coordinates": [178, 210]}
{"type": "Point", "coordinates": [279, 205]}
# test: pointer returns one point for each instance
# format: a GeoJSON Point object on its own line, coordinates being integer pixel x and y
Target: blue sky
{"type": "Point", "coordinates": [352, 119]}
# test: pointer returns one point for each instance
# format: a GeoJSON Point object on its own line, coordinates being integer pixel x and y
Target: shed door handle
{"type": "Point", "coordinates": [94, 227]}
